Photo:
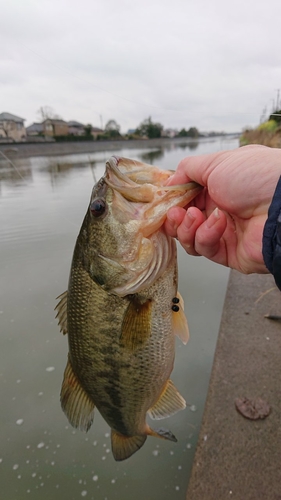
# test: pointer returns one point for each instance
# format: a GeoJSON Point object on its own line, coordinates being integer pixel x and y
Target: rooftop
{"type": "Point", "coordinates": [9, 117]}
{"type": "Point", "coordinates": [74, 123]}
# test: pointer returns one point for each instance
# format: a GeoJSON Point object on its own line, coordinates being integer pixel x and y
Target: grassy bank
{"type": "Point", "coordinates": [268, 134]}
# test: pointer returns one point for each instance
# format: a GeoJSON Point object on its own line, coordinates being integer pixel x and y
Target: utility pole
{"type": "Point", "coordinates": [101, 125]}
{"type": "Point", "coordinates": [263, 115]}
{"type": "Point", "coordinates": [277, 100]}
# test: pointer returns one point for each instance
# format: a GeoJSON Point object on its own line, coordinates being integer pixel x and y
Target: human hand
{"type": "Point", "coordinates": [225, 221]}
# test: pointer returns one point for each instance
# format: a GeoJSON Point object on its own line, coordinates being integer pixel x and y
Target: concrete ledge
{"type": "Point", "coordinates": [24, 150]}
{"type": "Point", "coordinates": [237, 458]}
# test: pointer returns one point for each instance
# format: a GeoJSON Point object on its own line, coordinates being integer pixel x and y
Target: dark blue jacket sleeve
{"type": "Point", "coordinates": [271, 243]}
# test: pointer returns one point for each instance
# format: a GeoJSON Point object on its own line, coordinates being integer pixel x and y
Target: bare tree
{"type": "Point", "coordinates": [112, 129]}
{"type": "Point", "coordinates": [46, 112]}
{"type": "Point", "coordinates": [112, 125]}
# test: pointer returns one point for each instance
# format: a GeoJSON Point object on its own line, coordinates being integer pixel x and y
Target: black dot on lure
{"type": "Point", "coordinates": [175, 308]}
{"type": "Point", "coordinates": [175, 300]}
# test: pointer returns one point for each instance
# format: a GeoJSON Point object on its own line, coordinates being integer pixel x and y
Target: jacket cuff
{"type": "Point", "coordinates": [271, 242]}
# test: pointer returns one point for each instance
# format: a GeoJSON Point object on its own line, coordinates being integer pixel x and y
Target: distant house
{"type": "Point", "coordinates": [95, 131]}
{"type": "Point", "coordinates": [54, 126]}
{"type": "Point", "coordinates": [12, 127]}
{"type": "Point", "coordinates": [75, 128]}
{"type": "Point", "coordinates": [35, 129]}
{"type": "Point", "coordinates": [169, 132]}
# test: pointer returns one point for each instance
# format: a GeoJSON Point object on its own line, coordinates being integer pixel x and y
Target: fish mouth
{"type": "Point", "coordinates": [134, 180]}
{"type": "Point", "coordinates": [137, 172]}
{"type": "Point", "coordinates": [142, 192]}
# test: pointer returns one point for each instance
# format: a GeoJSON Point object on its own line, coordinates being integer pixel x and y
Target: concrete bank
{"type": "Point", "coordinates": [23, 150]}
{"type": "Point", "coordinates": [238, 458]}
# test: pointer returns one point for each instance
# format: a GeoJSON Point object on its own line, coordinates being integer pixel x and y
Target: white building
{"type": "Point", "coordinates": [12, 127]}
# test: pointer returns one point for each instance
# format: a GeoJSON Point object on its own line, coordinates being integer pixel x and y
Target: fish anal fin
{"type": "Point", "coordinates": [136, 325]}
{"type": "Point", "coordinates": [75, 402]}
{"type": "Point", "coordinates": [61, 309]}
{"type": "Point", "coordinates": [162, 433]}
{"type": "Point", "coordinates": [180, 326]}
{"type": "Point", "coordinates": [125, 446]}
{"type": "Point", "coordinates": [169, 403]}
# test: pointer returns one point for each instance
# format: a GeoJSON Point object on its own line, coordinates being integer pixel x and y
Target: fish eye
{"type": "Point", "coordinates": [97, 207]}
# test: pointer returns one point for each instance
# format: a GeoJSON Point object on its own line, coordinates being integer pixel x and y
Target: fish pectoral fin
{"type": "Point", "coordinates": [169, 403]}
{"type": "Point", "coordinates": [180, 326]}
{"type": "Point", "coordinates": [75, 402]}
{"type": "Point", "coordinates": [61, 309]}
{"type": "Point", "coordinates": [136, 325]}
{"type": "Point", "coordinates": [125, 446]}
{"type": "Point", "coordinates": [162, 433]}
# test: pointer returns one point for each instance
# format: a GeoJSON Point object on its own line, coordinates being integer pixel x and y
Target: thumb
{"type": "Point", "coordinates": [195, 168]}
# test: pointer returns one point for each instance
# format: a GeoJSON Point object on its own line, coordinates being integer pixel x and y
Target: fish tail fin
{"type": "Point", "coordinates": [161, 433]}
{"type": "Point", "coordinates": [125, 446]}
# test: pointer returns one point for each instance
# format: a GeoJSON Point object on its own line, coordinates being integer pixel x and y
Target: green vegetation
{"type": "Point", "coordinates": [269, 126]}
{"type": "Point", "coordinates": [267, 133]}
{"type": "Point", "coordinates": [111, 131]}
{"type": "Point", "coordinates": [88, 131]}
{"type": "Point", "coordinates": [148, 129]}
{"type": "Point", "coordinates": [191, 132]}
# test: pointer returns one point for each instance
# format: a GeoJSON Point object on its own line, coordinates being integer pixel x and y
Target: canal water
{"type": "Point", "coordinates": [42, 203]}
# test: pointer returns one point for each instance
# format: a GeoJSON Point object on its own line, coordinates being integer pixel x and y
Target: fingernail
{"type": "Point", "coordinates": [213, 218]}
{"type": "Point", "coordinates": [170, 180]}
{"type": "Point", "coordinates": [189, 219]}
{"type": "Point", "coordinates": [172, 221]}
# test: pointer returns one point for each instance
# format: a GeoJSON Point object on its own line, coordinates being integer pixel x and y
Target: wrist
{"type": "Point", "coordinates": [271, 243]}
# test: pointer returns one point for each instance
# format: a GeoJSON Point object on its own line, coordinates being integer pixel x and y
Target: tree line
{"type": "Point", "coordinates": [112, 130]}
{"type": "Point", "coordinates": [147, 128]}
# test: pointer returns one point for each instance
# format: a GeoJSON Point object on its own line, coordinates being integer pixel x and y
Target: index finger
{"type": "Point", "coordinates": [194, 168]}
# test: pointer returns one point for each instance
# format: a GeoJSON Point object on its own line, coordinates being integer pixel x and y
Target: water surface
{"type": "Point", "coordinates": [42, 204]}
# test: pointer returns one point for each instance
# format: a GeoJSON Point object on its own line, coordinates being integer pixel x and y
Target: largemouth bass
{"type": "Point", "coordinates": [122, 308]}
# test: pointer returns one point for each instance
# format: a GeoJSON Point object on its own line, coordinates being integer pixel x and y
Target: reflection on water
{"type": "Point", "coordinates": [151, 156]}
{"type": "Point", "coordinates": [41, 457]}
{"type": "Point", "coordinates": [15, 174]}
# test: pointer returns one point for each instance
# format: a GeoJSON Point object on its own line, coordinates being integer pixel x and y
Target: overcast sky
{"type": "Point", "coordinates": [212, 64]}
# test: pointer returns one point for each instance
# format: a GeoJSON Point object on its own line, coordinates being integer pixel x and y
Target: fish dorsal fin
{"type": "Point", "coordinates": [125, 446]}
{"type": "Point", "coordinates": [136, 325]}
{"type": "Point", "coordinates": [76, 404]}
{"type": "Point", "coordinates": [169, 402]}
{"type": "Point", "coordinates": [180, 326]}
{"type": "Point", "coordinates": [61, 309]}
